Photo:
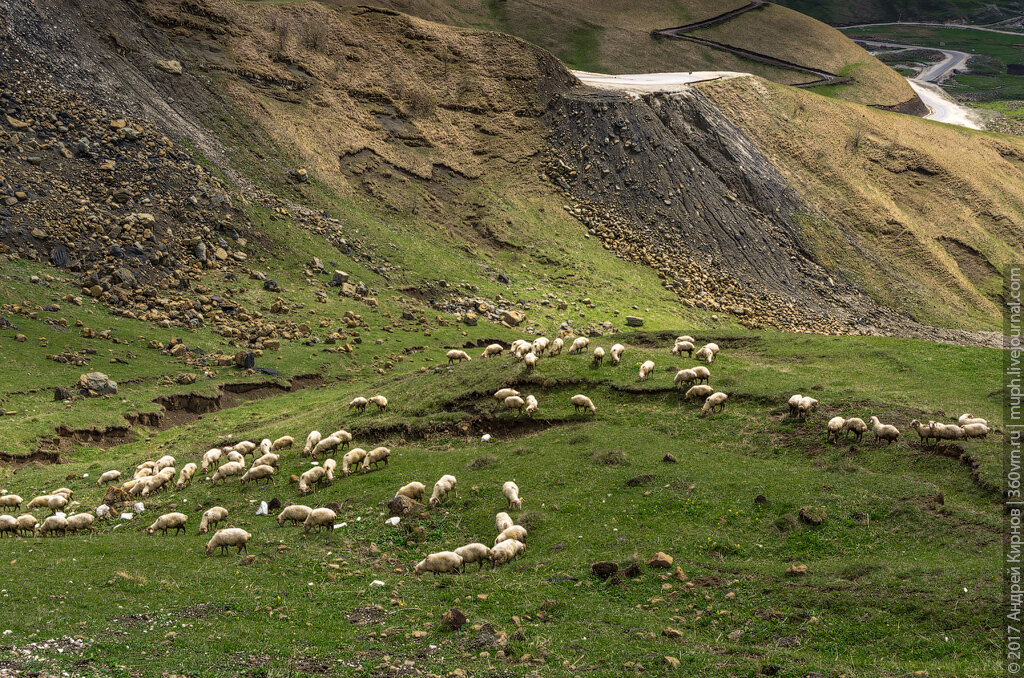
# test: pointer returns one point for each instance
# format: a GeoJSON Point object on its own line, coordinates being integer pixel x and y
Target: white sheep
{"type": "Point", "coordinates": [235, 456]}
{"type": "Point", "coordinates": [319, 518]}
{"type": "Point", "coordinates": [282, 443]}
{"type": "Point", "coordinates": [531, 405]}
{"type": "Point", "coordinates": [439, 563]}
{"type": "Point", "coordinates": [257, 473]}
{"type": "Point", "coordinates": [581, 402]}
{"type": "Point", "coordinates": [540, 344]}
{"type": "Point", "coordinates": [441, 489]}
{"type": "Point", "coordinates": [264, 448]}
{"type": "Point", "coordinates": [511, 492]}
{"type": "Point", "coordinates": [646, 369]}
{"type": "Point", "coordinates": [144, 472]}
{"type": "Point", "coordinates": [886, 432]}
{"type": "Point", "coordinates": [80, 521]}
{"type": "Point", "coordinates": [683, 347]}
{"type": "Point", "coordinates": [352, 459]}
{"type": "Point", "coordinates": [53, 524]}
{"type": "Point", "coordinates": [556, 347]}
{"type": "Point", "coordinates": [506, 551]}
{"type": "Point", "coordinates": [39, 502]}
{"type": "Point", "coordinates": [107, 477]}
{"type": "Point", "coordinates": [805, 407]}
{"type": "Point", "coordinates": [515, 403]}
{"type": "Point", "coordinates": [311, 479]}
{"type": "Point", "coordinates": [245, 447]}
{"type": "Point", "coordinates": [268, 459]}
{"type": "Point", "coordinates": [924, 431]}
{"type": "Point", "coordinates": [598, 356]}
{"type": "Point", "coordinates": [969, 418]}
{"type": "Point", "coordinates": [703, 374]}
{"type": "Point", "coordinates": [232, 468]}
{"type": "Point", "coordinates": [358, 403]}
{"type": "Point", "coordinates": [616, 352]}
{"type": "Point", "coordinates": [707, 353]}
{"type": "Point", "coordinates": [578, 345]}
{"type": "Point", "coordinates": [311, 441]}
{"type": "Point", "coordinates": [56, 502]}
{"type": "Point", "coordinates": [296, 513]}
{"type": "Point", "coordinates": [328, 444]}
{"type": "Point", "coordinates": [380, 401]}
{"type": "Point", "coordinates": [413, 490]}
{"type": "Point", "coordinates": [713, 402]}
{"type": "Point", "coordinates": [517, 532]}
{"type": "Point", "coordinates": [185, 477]}
{"type": "Point", "coordinates": [834, 428]}
{"type": "Point", "coordinates": [684, 377]}
{"type": "Point", "coordinates": [211, 458]}
{"type": "Point", "coordinates": [975, 430]}
{"type": "Point", "coordinates": [329, 465]}
{"type": "Point", "coordinates": [492, 350]}
{"type": "Point", "coordinates": [344, 436]}
{"type": "Point", "coordinates": [503, 393]}
{"type": "Point", "coordinates": [10, 501]}
{"type": "Point", "coordinates": [474, 553]}
{"type": "Point", "coordinates": [531, 361]}
{"type": "Point", "coordinates": [211, 518]}
{"type": "Point", "coordinates": [685, 337]}
{"type": "Point", "coordinates": [168, 521]}
{"type": "Point", "coordinates": [518, 346]}
{"type": "Point", "coordinates": [856, 426]}
{"type": "Point", "coordinates": [163, 462]}
{"type": "Point", "coordinates": [456, 355]}
{"type": "Point", "coordinates": [374, 457]}
{"type": "Point", "coordinates": [502, 522]}
{"type": "Point", "coordinates": [27, 524]}
{"type": "Point", "coordinates": [231, 536]}
{"type": "Point", "coordinates": [794, 404]}
{"type": "Point", "coordinates": [942, 432]}
{"type": "Point", "coordinates": [8, 524]}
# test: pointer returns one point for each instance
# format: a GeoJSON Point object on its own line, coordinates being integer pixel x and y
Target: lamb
{"type": "Point", "coordinates": [540, 344]}
{"type": "Point", "coordinates": [210, 458]}
{"type": "Point", "coordinates": [10, 501]}
{"type": "Point", "coordinates": [511, 492]}
{"type": "Point", "coordinates": [598, 356]}
{"type": "Point", "coordinates": [27, 524]}
{"type": "Point", "coordinates": [713, 402]}
{"type": "Point", "coordinates": [969, 418]}
{"type": "Point", "coordinates": [856, 426]}
{"type": "Point", "coordinates": [474, 553]}
{"type": "Point", "coordinates": [707, 353]}
{"type": "Point", "coordinates": [231, 536]}
{"type": "Point", "coordinates": [794, 404]}
{"type": "Point", "coordinates": [578, 345]}
{"type": "Point", "coordinates": [64, 492]}
{"type": "Point", "coordinates": [924, 431]}
{"type": "Point", "coordinates": [311, 441]}
{"type": "Point", "coordinates": [685, 377]}
{"type": "Point", "coordinates": [268, 459]}
{"type": "Point", "coordinates": [439, 563]}
{"type": "Point", "coordinates": [886, 432]}
{"type": "Point", "coordinates": [517, 532]}
{"type": "Point", "coordinates": [531, 405]}
{"type": "Point", "coordinates": [413, 490]}
{"type": "Point", "coordinates": [975, 430]}
{"type": "Point", "coordinates": [376, 456]}
{"type": "Point", "coordinates": [502, 522]}
{"type": "Point", "coordinates": [328, 444]}
{"type": "Point", "coordinates": [646, 369]}
{"type": "Point", "coordinates": [163, 462]}
{"type": "Point", "coordinates": [492, 350]}
{"type": "Point", "coordinates": [581, 402]}
{"type": "Point", "coordinates": [703, 374]}
{"type": "Point", "coordinates": [531, 361]}
{"type": "Point", "coordinates": [39, 502]}
{"type": "Point", "coordinates": [56, 502]}
{"type": "Point", "coordinates": [455, 356]}
{"type": "Point", "coordinates": [805, 407]}
{"type": "Point", "coordinates": [55, 523]}
{"type": "Point", "coordinates": [264, 447]}
{"type": "Point", "coordinates": [683, 347]}
{"type": "Point", "coordinates": [282, 443]}
{"type": "Point", "coordinates": [319, 518]}
{"type": "Point", "coordinates": [80, 521]}
{"type": "Point", "coordinates": [519, 345]}
{"type": "Point", "coordinates": [380, 401]}
{"type": "Point", "coordinates": [556, 347]}
{"type": "Point", "coordinates": [258, 473]}
{"type": "Point", "coordinates": [232, 468]}
{"type": "Point", "coordinates": [945, 431]}
{"type": "Point", "coordinates": [311, 478]}
{"type": "Point", "coordinates": [616, 353]}
{"type": "Point", "coordinates": [329, 466]}
{"type": "Point", "coordinates": [441, 489]}
{"type": "Point", "coordinates": [344, 436]}
{"type": "Point", "coordinates": [144, 472]}
{"type": "Point", "coordinates": [211, 518]}
{"type": "Point", "coordinates": [359, 403]}
{"type": "Point", "coordinates": [134, 486]}
{"type": "Point", "coordinates": [244, 447]}
{"type": "Point", "coordinates": [236, 457]}
{"type": "Point", "coordinates": [503, 393]}
{"type": "Point", "coordinates": [834, 428]}
{"type": "Point", "coordinates": [352, 459]}
{"type": "Point", "coordinates": [515, 403]}
{"type": "Point", "coordinates": [185, 477]}
{"type": "Point", "coordinates": [506, 551]}
{"type": "Point", "coordinates": [8, 524]}
{"type": "Point", "coordinates": [168, 521]}
{"type": "Point", "coordinates": [296, 513]}
{"type": "Point", "coordinates": [108, 477]}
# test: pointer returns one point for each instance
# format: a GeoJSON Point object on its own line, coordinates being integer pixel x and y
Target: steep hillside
{"type": "Point", "coordinates": [869, 11]}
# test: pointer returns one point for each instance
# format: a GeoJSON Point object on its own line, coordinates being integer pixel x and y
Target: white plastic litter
{"type": "Point", "coordinates": [85, 475]}
{"type": "Point", "coordinates": [139, 507]}
{"type": "Point", "coordinates": [127, 516]}
{"type": "Point", "coordinates": [485, 437]}
{"type": "Point", "coordinates": [393, 521]}
{"type": "Point", "coordinates": [263, 510]}
{"type": "Point", "coordinates": [376, 582]}
{"type": "Point", "coordinates": [339, 525]}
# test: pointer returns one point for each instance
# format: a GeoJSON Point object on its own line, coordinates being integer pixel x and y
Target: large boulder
{"type": "Point", "coordinates": [97, 384]}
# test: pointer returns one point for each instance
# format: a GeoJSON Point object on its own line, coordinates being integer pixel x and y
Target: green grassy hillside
{"type": "Point", "coordinates": [868, 11]}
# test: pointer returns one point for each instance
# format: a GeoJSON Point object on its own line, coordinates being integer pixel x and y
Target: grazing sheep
{"type": "Point", "coordinates": [231, 536]}
{"type": "Point", "coordinates": [578, 345]}
{"type": "Point", "coordinates": [108, 477]}
{"type": "Point", "coordinates": [616, 353]}
{"type": "Point", "coordinates": [311, 441]}
{"type": "Point", "coordinates": [374, 457]}
{"type": "Point", "coordinates": [455, 356]}
{"type": "Point", "coordinates": [506, 551]}
{"type": "Point", "coordinates": [268, 459]}
{"type": "Point", "coordinates": [794, 404]}
{"type": "Point", "coordinates": [856, 426]}
{"type": "Point", "coordinates": [9, 524]}
{"type": "Point", "coordinates": [502, 522]}
{"type": "Point", "coordinates": [511, 492]}
{"type": "Point", "coordinates": [805, 407]}
{"type": "Point", "coordinates": [311, 479]}
{"type": "Point", "coordinates": [974, 430]}
{"type": "Point", "coordinates": [703, 374]}
{"type": "Point", "coordinates": [474, 553]}
{"type": "Point", "coordinates": [969, 418]}
{"type": "Point", "coordinates": [413, 490]}
{"type": "Point", "coordinates": [55, 523]}
{"type": "Point", "coordinates": [27, 524]}
{"type": "Point", "coordinates": [834, 428]}
{"type": "Point", "coordinates": [39, 502]}
{"type": "Point", "coordinates": [685, 337]}
{"type": "Point", "coordinates": [359, 404]}
{"type": "Point", "coordinates": [380, 401]}
{"type": "Point", "coordinates": [296, 513]}
{"type": "Point", "coordinates": [210, 458]}
{"type": "Point", "coordinates": [492, 350]}
{"type": "Point", "coordinates": [707, 353]}
{"type": "Point", "coordinates": [531, 361]}
{"type": "Point", "coordinates": [264, 447]}
{"type": "Point", "coordinates": [167, 521]}
{"type": "Point", "coordinates": [133, 487]}
{"type": "Point", "coordinates": [924, 431]}
{"type": "Point", "coordinates": [540, 344]}
{"type": "Point", "coordinates": [713, 402]}
{"type": "Point", "coordinates": [515, 403]}
{"type": "Point", "coordinates": [520, 345]}
{"type": "Point", "coordinates": [163, 462]}
{"type": "Point", "coordinates": [211, 518]}
{"type": "Point", "coordinates": [683, 347]}
{"type": "Point", "coordinates": [684, 377]}
{"type": "Point", "coordinates": [531, 405]}
{"type": "Point", "coordinates": [319, 518]}
{"type": "Point", "coordinates": [699, 391]}
{"type": "Point", "coordinates": [598, 356]}
{"type": "Point", "coordinates": [236, 456]}
{"type": "Point", "coordinates": [556, 347]}
{"type": "Point", "coordinates": [64, 492]}
{"type": "Point", "coordinates": [282, 443]}
{"type": "Point", "coordinates": [646, 369]}
{"type": "Point", "coordinates": [80, 521]}
{"type": "Point", "coordinates": [945, 431]}
{"type": "Point", "coordinates": [439, 563]}
{"type": "Point", "coordinates": [352, 459]}
{"type": "Point", "coordinates": [503, 393]}
{"type": "Point", "coordinates": [441, 489]}
{"type": "Point", "coordinates": [328, 444]}
{"type": "Point", "coordinates": [886, 432]}
{"type": "Point", "coordinates": [10, 501]}
{"type": "Point", "coordinates": [517, 532]}
{"type": "Point", "coordinates": [329, 466]}
{"type": "Point", "coordinates": [582, 402]}
{"type": "Point", "coordinates": [245, 447]}
{"type": "Point", "coordinates": [232, 468]}
{"type": "Point", "coordinates": [143, 472]}
{"type": "Point", "coordinates": [257, 473]}
{"type": "Point", "coordinates": [344, 436]}
{"type": "Point", "coordinates": [56, 502]}
{"type": "Point", "coordinates": [185, 477]}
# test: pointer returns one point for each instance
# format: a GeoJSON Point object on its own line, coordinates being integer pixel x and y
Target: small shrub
{"type": "Point", "coordinates": [529, 519]}
{"type": "Point", "coordinates": [482, 462]}
{"type": "Point", "coordinates": [419, 101]}
{"type": "Point", "coordinates": [609, 458]}
{"type": "Point", "coordinates": [313, 34]}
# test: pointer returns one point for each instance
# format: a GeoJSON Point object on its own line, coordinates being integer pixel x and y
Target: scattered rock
{"type": "Point", "coordinates": [604, 569]}
{"type": "Point", "coordinates": [512, 318]}
{"type": "Point", "coordinates": [633, 321]}
{"type": "Point", "coordinates": [669, 457]}
{"type": "Point", "coordinates": [172, 66]}
{"type": "Point", "coordinates": [670, 632]}
{"type": "Point", "coordinates": [660, 560]}
{"type": "Point", "coordinates": [761, 500]}
{"type": "Point", "coordinates": [796, 570]}
{"type": "Point", "coordinates": [453, 619]}
{"type": "Point", "coordinates": [401, 506]}
{"type": "Point", "coordinates": [96, 384]}
{"type": "Point", "coordinates": [812, 515]}
{"type": "Point", "coordinates": [673, 662]}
